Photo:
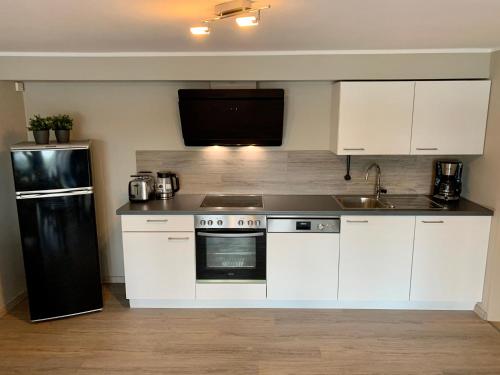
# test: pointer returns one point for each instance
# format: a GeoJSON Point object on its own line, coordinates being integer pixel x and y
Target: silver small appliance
{"type": "Point", "coordinates": [167, 184]}
{"type": "Point", "coordinates": [142, 187]}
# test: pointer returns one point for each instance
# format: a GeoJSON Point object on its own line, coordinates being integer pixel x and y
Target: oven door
{"type": "Point", "coordinates": [230, 254]}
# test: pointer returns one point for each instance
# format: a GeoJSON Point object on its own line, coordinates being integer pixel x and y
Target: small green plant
{"type": "Point", "coordinates": [39, 123]}
{"type": "Point", "coordinates": [61, 122]}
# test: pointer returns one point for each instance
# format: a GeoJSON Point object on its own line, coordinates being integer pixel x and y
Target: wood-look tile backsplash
{"type": "Point", "coordinates": [255, 170]}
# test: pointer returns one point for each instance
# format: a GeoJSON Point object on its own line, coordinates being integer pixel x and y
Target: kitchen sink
{"type": "Point", "coordinates": [359, 202]}
{"type": "Point", "coordinates": [388, 202]}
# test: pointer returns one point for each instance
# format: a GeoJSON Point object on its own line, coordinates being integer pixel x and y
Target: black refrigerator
{"type": "Point", "coordinates": [55, 205]}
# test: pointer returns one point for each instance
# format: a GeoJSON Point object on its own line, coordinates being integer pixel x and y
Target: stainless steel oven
{"type": "Point", "coordinates": [230, 247]}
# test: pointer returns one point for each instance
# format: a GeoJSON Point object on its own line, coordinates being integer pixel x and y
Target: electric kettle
{"type": "Point", "coordinates": [167, 184]}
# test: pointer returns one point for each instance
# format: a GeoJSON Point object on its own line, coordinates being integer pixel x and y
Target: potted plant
{"type": "Point", "coordinates": [62, 124]}
{"type": "Point", "coordinates": [40, 127]}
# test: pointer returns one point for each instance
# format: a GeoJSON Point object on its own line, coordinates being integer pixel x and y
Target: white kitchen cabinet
{"type": "Point", "coordinates": [302, 266]}
{"type": "Point", "coordinates": [372, 118]}
{"type": "Point", "coordinates": [450, 258]}
{"type": "Point", "coordinates": [159, 265]}
{"type": "Point", "coordinates": [158, 223]}
{"type": "Point", "coordinates": [449, 117]}
{"type": "Point", "coordinates": [375, 258]}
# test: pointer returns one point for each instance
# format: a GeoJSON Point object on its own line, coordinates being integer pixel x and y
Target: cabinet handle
{"type": "Point", "coordinates": [178, 238]}
{"type": "Point", "coordinates": [156, 221]}
{"type": "Point", "coordinates": [433, 222]}
{"type": "Point", "coordinates": [354, 149]}
{"type": "Point", "coordinates": [427, 148]}
{"type": "Point", "coordinates": [357, 221]}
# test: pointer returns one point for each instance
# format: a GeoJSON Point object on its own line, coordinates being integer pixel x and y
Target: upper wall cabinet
{"type": "Point", "coordinates": [402, 118]}
{"type": "Point", "coordinates": [449, 117]}
{"type": "Point", "coordinates": [372, 118]}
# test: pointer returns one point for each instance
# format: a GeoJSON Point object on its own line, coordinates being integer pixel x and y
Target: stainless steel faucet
{"type": "Point", "coordinates": [378, 185]}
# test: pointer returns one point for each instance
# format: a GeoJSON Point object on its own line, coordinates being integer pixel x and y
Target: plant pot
{"type": "Point", "coordinates": [41, 137]}
{"type": "Point", "coordinates": [62, 136]}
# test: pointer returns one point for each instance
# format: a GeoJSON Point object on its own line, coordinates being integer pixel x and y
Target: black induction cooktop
{"type": "Point", "coordinates": [233, 201]}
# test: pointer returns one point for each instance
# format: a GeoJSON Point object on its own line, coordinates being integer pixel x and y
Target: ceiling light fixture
{"type": "Point", "coordinates": [245, 15]}
{"type": "Point", "coordinates": [246, 21]}
{"type": "Point", "coordinates": [200, 30]}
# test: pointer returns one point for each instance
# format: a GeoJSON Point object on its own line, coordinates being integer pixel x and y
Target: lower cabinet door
{"type": "Point", "coordinates": [159, 265]}
{"type": "Point", "coordinates": [302, 266]}
{"type": "Point", "coordinates": [375, 258]}
{"type": "Point", "coordinates": [450, 258]}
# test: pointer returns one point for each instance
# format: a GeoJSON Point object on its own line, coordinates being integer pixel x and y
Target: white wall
{"type": "Point", "coordinates": [122, 117]}
{"type": "Point", "coordinates": [12, 130]}
{"type": "Point", "coordinates": [343, 65]}
{"type": "Point", "coordinates": [483, 184]}
{"type": "Point", "coordinates": [307, 114]}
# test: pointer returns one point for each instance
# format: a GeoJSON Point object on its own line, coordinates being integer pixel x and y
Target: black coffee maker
{"type": "Point", "coordinates": [448, 180]}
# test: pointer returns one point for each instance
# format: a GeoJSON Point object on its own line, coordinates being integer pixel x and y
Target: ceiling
{"type": "Point", "coordinates": [290, 25]}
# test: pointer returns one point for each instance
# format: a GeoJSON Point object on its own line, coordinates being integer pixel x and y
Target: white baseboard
{"type": "Point", "coordinates": [13, 303]}
{"type": "Point", "coordinates": [228, 291]}
{"type": "Point", "coordinates": [258, 304]}
{"type": "Point", "coordinates": [478, 309]}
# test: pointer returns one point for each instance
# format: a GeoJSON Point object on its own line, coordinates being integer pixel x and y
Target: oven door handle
{"type": "Point", "coordinates": [230, 235]}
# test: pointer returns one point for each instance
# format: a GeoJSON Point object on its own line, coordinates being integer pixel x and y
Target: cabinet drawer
{"type": "Point", "coordinates": [158, 223]}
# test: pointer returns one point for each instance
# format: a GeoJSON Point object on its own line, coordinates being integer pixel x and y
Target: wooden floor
{"type": "Point", "coordinates": [124, 341]}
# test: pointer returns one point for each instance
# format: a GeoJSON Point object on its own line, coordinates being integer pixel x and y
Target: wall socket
{"type": "Point", "coordinates": [19, 86]}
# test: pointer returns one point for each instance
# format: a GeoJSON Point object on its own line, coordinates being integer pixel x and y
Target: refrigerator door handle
{"type": "Point", "coordinates": [52, 195]}
{"type": "Point", "coordinates": [53, 191]}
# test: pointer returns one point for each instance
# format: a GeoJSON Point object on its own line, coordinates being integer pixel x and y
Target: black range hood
{"type": "Point", "coordinates": [232, 117]}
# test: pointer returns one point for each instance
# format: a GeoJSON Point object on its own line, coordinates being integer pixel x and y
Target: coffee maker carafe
{"type": "Point", "coordinates": [448, 180]}
{"type": "Point", "coordinates": [167, 184]}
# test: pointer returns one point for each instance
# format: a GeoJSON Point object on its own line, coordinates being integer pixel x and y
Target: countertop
{"type": "Point", "coordinates": [303, 205]}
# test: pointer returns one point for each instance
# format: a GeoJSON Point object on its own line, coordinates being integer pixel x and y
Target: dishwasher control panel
{"type": "Point", "coordinates": [303, 225]}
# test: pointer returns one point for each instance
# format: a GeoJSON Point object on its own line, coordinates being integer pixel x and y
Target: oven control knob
{"type": "Point", "coordinates": [257, 223]}
{"type": "Point", "coordinates": [202, 222]}
{"type": "Point", "coordinates": [219, 222]}
{"type": "Point", "coordinates": [210, 222]}
{"type": "Point", "coordinates": [240, 223]}
{"type": "Point", "coordinates": [250, 223]}
{"type": "Point", "coordinates": [321, 226]}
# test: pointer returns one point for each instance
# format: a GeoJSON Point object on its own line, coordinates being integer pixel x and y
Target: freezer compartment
{"type": "Point", "coordinates": [51, 169]}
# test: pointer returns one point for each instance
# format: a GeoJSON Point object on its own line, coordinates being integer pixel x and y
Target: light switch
{"type": "Point", "coordinates": [19, 86]}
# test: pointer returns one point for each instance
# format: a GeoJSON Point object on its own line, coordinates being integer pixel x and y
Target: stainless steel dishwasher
{"type": "Point", "coordinates": [302, 258]}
